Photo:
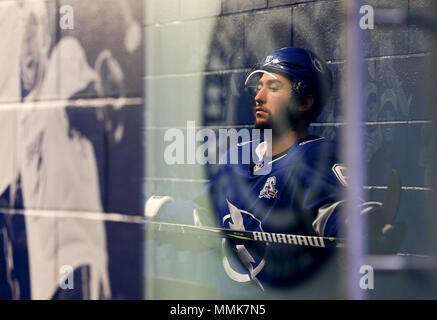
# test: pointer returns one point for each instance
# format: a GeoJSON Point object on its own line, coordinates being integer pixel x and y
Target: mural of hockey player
{"type": "Point", "coordinates": [14, 273]}
{"type": "Point", "coordinates": [58, 171]}
{"type": "Point", "coordinates": [56, 166]}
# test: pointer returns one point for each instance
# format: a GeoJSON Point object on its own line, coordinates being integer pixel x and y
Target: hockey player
{"type": "Point", "coordinates": [55, 167]}
{"type": "Point", "coordinates": [299, 193]}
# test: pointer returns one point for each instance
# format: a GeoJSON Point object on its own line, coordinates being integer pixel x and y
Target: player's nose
{"type": "Point", "coordinates": [260, 97]}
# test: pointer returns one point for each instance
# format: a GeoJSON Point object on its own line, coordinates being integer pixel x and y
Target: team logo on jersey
{"type": "Point", "coordinates": [340, 172]}
{"type": "Point", "coordinates": [236, 220]}
{"type": "Point", "coordinates": [269, 191]}
{"type": "Point", "coordinates": [266, 264]}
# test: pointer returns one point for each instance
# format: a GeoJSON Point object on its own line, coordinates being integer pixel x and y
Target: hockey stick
{"type": "Point", "coordinates": [389, 212]}
{"type": "Point", "coordinates": [197, 232]}
{"type": "Point", "coordinates": [266, 237]}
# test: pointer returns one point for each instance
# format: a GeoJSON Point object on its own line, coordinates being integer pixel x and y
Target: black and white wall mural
{"type": "Point", "coordinates": [71, 156]}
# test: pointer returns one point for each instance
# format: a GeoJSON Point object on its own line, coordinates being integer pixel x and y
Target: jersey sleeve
{"type": "Point", "coordinates": [325, 180]}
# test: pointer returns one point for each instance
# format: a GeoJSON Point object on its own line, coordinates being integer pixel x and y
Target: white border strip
{"type": "Point", "coordinates": [54, 104]}
{"type": "Point", "coordinates": [176, 179]}
{"type": "Point", "coordinates": [403, 188]}
{"type": "Point", "coordinates": [372, 123]}
{"type": "Point", "coordinates": [321, 124]}
{"type": "Point", "coordinates": [169, 179]}
{"type": "Point", "coordinates": [212, 127]}
{"type": "Point", "coordinates": [72, 214]}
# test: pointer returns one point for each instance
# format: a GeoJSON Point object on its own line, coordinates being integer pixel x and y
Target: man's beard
{"type": "Point", "coordinates": [283, 122]}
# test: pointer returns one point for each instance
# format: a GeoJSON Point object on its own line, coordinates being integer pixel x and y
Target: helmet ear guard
{"type": "Point", "coordinates": [298, 89]}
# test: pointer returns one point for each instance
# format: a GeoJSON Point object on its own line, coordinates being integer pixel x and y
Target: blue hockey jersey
{"type": "Point", "coordinates": [300, 193]}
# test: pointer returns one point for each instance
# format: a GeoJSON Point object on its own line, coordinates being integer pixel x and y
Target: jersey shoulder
{"type": "Point", "coordinates": [314, 149]}
{"type": "Point", "coordinates": [321, 155]}
{"type": "Point", "coordinates": [241, 151]}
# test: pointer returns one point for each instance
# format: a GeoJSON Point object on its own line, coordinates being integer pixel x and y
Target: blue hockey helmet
{"type": "Point", "coordinates": [309, 75]}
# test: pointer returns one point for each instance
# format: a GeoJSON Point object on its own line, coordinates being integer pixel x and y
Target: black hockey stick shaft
{"type": "Point", "coordinates": [390, 209]}
{"type": "Point", "coordinates": [243, 235]}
